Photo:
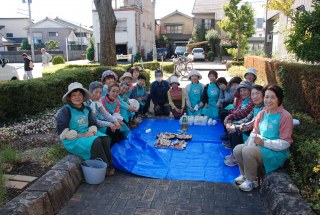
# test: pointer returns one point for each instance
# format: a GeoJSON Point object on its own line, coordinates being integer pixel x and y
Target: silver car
{"type": "Point", "coordinates": [198, 54]}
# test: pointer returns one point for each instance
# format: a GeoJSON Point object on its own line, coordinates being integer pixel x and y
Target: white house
{"type": "Point", "coordinates": [128, 37]}
{"type": "Point", "coordinates": [12, 32]}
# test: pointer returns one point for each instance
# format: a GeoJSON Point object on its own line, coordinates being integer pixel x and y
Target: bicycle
{"type": "Point", "coordinates": [182, 66]}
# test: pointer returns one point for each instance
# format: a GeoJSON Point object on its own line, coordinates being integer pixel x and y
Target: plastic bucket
{"type": "Point", "coordinates": [94, 171]}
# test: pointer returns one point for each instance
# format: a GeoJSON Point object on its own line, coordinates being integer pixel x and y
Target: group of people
{"type": "Point", "coordinates": [257, 127]}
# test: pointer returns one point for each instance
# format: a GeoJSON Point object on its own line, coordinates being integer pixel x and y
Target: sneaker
{"type": "Point", "coordinates": [240, 179]}
{"type": "Point", "coordinates": [228, 156]}
{"type": "Point", "coordinates": [224, 137]}
{"type": "Point", "coordinates": [232, 161]}
{"type": "Point", "coordinates": [247, 185]}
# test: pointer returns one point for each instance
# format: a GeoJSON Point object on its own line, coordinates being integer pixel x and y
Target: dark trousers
{"type": "Point", "coordinates": [236, 138]}
{"type": "Point", "coordinates": [223, 113]}
{"type": "Point", "coordinates": [162, 111]}
{"type": "Point", "coordinates": [115, 137]}
{"type": "Point", "coordinates": [101, 149]}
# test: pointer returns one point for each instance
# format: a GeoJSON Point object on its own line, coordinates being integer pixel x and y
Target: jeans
{"type": "Point", "coordinates": [29, 74]}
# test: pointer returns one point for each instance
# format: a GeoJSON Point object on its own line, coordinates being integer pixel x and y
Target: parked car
{"type": "Point", "coordinates": [180, 50]}
{"type": "Point", "coordinates": [198, 54]}
{"type": "Point", "coordinates": [162, 52]}
{"type": "Point", "coordinates": [7, 72]}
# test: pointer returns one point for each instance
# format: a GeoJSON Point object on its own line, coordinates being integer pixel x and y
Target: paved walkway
{"type": "Point", "coordinates": [130, 194]}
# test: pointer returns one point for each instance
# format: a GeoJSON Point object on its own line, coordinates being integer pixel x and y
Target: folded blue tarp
{"type": "Point", "coordinates": [202, 160]}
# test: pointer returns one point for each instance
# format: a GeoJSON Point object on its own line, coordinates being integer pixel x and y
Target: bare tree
{"type": "Point", "coordinates": [108, 23]}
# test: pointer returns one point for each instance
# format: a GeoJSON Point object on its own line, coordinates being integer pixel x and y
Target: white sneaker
{"type": "Point", "coordinates": [228, 156]}
{"type": "Point", "coordinates": [247, 185]}
{"type": "Point", "coordinates": [240, 179]}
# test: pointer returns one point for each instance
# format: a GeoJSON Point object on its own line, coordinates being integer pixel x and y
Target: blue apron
{"type": "Point", "coordinates": [195, 98]}
{"type": "Point", "coordinates": [104, 91]}
{"type": "Point", "coordinates": [111, 108]}
{"type": "Point", "coordinates": [213, 94]}
{"type": "Point", "coordinates": [98, 116]}
{"type": "Point", "coordinates": [269, 129]}
{"type": "Point", "coordinates": [245, 103]}
{"type": "Point", "coordinates": [256, 110]}
{"type": "Point", "coordinates": [125, 113]}
{"type": "Point", "coordinates": [140, 93]}
{"type": "Point", "coordinates": [79, 122]}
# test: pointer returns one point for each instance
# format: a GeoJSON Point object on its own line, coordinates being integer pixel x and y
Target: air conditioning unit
{"type": "Point", "coordinates": [269, 38]}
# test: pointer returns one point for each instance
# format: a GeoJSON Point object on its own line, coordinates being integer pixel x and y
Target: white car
{"type": "Point", "coordinates": [7, 72]}
{"type": "Point", "coordinates": [198, 54]}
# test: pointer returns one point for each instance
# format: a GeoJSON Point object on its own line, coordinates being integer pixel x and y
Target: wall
{"type": "Point", "coordinates": [15, 56]}
{"type": "Point", "coordinates": [187, 23]}
{"type": "Point", "coordinates": [147, 26]}
{"type": "Point", "coordinates": [15, 26]}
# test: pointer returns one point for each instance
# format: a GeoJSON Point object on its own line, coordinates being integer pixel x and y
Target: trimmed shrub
{"type": "Point", "coordinates": [210, 56]}
{"type": "Point", "coordinates": [90, 50]}
{"type": "Point", "coordinates": [168, 67]}
{"type": "Point", "coordinates": [20, 98]}
{"type": "Point", "coordinates": [58, 59]}
{"type": "Point", "coordinates": [236, 71]}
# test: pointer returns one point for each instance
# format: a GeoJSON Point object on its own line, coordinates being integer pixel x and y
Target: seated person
{"type": "Point", "coordinates": [241, 129]}
{"type": "Point", "coordinates": [112, 104]}
{"type": "Point", "coordinates": [193, 92]}
{"type": "Point", "coordinates": [139, 93]}
{"type": "Point", "coordinates": [176, 98]}
{"type": "Point", "coordinates": [269, 143]}
{"type": "Point", "coordinates": [77, 129]}
{"type": "Point", "coordinates": [127, 77]}
{"type": "Point", "coordinates": [135, 72]}
{"type": "Point", "coordinates": [227, 91]}
{"type": "Point", "coordinates": [210, 96]}
{"type": "Point", "coordinates": [125, 112]}
{"type": "Point", "coordinates": [250, 75]}
{"type": "Point", "coordinates": [159, 96]}
{"type": "Point", "coordinates": [108, 78]}
{"type": "Point", "coordinates": [106, 122]}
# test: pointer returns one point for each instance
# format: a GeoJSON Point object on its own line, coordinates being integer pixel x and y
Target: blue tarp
{"type": "Point", "coordinates": [202, 160]}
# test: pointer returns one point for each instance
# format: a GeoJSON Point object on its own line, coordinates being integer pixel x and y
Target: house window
{"type": "Point", "coordinates": [9, 35]}
{"type": "Point", "coordinates": [53, 34]}
{"type": "Point", "coordinates": [121, 25]}
{"type": "Point", "coordinates": [81, 34]}
{"type": "Point", "coordinates": [174, 29]}
{"type": "Point", "coordinates": [208, 23]}
{"type": "Point", "coordinates": [37, 36]}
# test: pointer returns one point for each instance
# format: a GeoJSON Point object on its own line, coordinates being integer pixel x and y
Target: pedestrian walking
{"type": "Point", "coordinates": [28, 67]}
{"type": "Point", "coordinates": [46, 58]}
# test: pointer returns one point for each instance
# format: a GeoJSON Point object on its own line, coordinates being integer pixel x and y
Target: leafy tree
{"type": "Point", "coordinates": [238, 23]}
{"type": "Point", "coordinates": [162, 41]}
{"type": "Point", "coordinates": [213, 38]}
{"type": "Point", "coordinates": [52, 44]}
{"type": "Point", "coordinates": [284, 6]}
{"type": "Point", "coordinates": [25, 45]}
{"type": "Point", "coordinates": [199, 34]}
{"type": "Point", "coordinates": [108, 23]}
{"type": "Point", "coordinates": [90, 50]}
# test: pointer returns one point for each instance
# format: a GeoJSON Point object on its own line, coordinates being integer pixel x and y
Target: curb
{"type": "Point", "coordinates": [281, 196]}
{"type": "Point", "coordinates": [50, 192]}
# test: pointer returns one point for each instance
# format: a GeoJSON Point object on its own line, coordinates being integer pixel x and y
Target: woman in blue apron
{"type": "Point", "coordinates": [108, 77]}
{"type": "Point", "coordinates": [210, 96]}
{"type": "Point", "coordinates": [77, 129]}
{"type": "Point", "coordinates": [269, 142]}
{"type": "Point", "coordinates": [127, 77]}
{"type": "Point", "coordinates": [112, 104]}
{"type": "Point", "coordinates": [241, 129]}
{"type": "Point", "coordinates": [193, 92]}
{"type": "Point", "coordinates": [126, 111]}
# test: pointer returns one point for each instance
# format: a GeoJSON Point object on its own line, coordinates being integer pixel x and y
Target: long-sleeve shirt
{"type": "Point", "coordinates": [46, 58]}
{"type": "Point", "coordinates": [135, 92]}
{"type": "Point", "coordinates": [242, 113]}
{"type": "Point", "coordinates": [63, 117]}
{"type": "Point", "coordinates": [285, 130]}
{"type": "Point", "coordinates": [103, 117]}
{"type": "Point", "coordinates": [158, 92]}
{"type": "Point", "coordinates": [27, 64]}
{"type": "Point", "coordinates": [204, 96]}
{"type": "Point", "coordinates": [186, 93]}
{"type": "Point", "coordinates": [247, 122]}
{"type": "Point", "coordinates": [174, 95]}
{"type": "Point", "coordinates": [227, 96]}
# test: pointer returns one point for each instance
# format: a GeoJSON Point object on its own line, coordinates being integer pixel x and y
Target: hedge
{"type": "Point", "coordinates": [20, 98]}
{"type": "Point", "coordinates": [301, 82]}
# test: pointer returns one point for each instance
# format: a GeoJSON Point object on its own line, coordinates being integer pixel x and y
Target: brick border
{"type": "Point", "coordinates": [50, 193]}
{"type": "Point", "coordinates": [281, 196]}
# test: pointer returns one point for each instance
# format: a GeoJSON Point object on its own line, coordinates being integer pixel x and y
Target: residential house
{"type": "Point", "coordinates": [177, 27]}
{"type": "Point", "coordinates": [276, 23]}
{"type": "Point", "coordinates": [75, 36]}
{"type": "Point", "coordinates": [207, 13]}
{"type": "Point", "coordinates": [12, 33]}
{"type": "Point", "coordinates": [135, 30]}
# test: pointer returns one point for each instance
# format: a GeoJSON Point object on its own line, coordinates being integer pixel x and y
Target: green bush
{"type": "Point", "coordinates": [9, 156]}
{"type": "Point", "coordinates": [36, 95]}
{"type": "Point", "coordinates": [2, 188]}
{"type": "Point", "coordinates": [90, 50]}
{"type": "Point", "coordinates": [168, 67]}
{"type": "Point", "coordinates": [210, 56]}
{"type": "Point", "coordinates": [225, 47]}
{"type": "Point", "coordinates": [234, 71]}
{"type": "Point", "coordinates": [55, 154]}
{"type": "Point", "coordinates": [58, 59]}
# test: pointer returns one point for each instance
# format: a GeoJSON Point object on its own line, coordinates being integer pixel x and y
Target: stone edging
{"type": "Point", "coordinates": [50, 192]}
{"type": "Point", "coordinates": [281, 196]}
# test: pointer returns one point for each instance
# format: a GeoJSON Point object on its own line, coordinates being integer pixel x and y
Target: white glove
{"type": "Point", "coordinates": [63, 134]}
{"type": "Point", "coordinates": [71, 135]}
{"type": "Point", "coordinates": [93, 129]}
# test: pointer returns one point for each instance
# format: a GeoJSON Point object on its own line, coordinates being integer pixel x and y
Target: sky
{"type": "Point", "coordinates": [80, 11]}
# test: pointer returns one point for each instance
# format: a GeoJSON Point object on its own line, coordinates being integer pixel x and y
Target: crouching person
{"type": "Point", "coordinates": [77, 129]}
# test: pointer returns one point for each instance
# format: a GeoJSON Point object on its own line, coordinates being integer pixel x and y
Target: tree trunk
{"type": "Point", "coordinates": [108, 23]}
{"type": "Point", "coordinates": [239, 43]}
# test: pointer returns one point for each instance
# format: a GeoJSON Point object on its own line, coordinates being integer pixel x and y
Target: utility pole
{"type": "Point", "coordinates": [80, 37]}
{"type": "Point", "coordinates": [154, 48]}
{"type": "Point", "coordinates": [139, 23]}
{"type": "Point", "coordinates": [30, 29]}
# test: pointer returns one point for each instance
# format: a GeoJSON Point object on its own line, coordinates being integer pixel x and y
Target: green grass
{"type": "Point", "coordinates": [9, 156]}
{"type": "Point", "coordinates": [55, 154]}
{"type": "Point", "coordinates": [2, 188]}
{"type": "Point", "coordinates": [52, 69]}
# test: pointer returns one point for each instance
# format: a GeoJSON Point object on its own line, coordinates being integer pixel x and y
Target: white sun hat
{"type": "Point", "coordinates": [194, 72]}
{"type": "Point", "coordinates": [74, 86]}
